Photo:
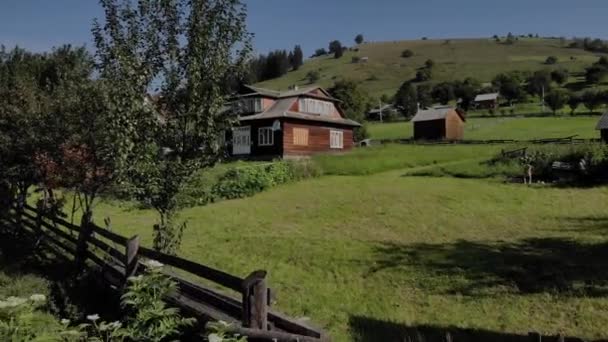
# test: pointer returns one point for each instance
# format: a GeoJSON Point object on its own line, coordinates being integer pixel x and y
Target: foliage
{"type": "Point", "coordinates": [591, 100]}
{"type": "Point", "coordinates": [190, 50]}
{"type": "Point", "coordinates": [560, 76]}
{"type": "Point", "coordinates": [247, 181]}
{"type": "Point", "coordinates": [151, 319]}
{"type": "Point", "coordinates": [406, 99]}
{"type": "Point", "coordinates": [574, 101]}
{"type": "Point", "coordinates": [424, 74]}
{"type": "Point", "coordinates": [407, 53]}
{"type": "Point", "coordinates": [336, 48]}
{"type": "Point", "coordinates": [320, 52]}
{"type": "Point", "coordinates": [466, 91]}
{"type": "Point", "coordinates": [353, 100]}
{"type": "Point", "coordinates": [538, 82]}
{"type": "Point", "coordinates": [551, 60]}
{"type": "Point", "coordinates": [313, 76]}
{"type": "Point", "coordinates": [429, 63]}
{"type": "Point", "coordinates": [359, 39]}
{"type": "Point", "coordinates": [219, 332]}
{"type": "Point", "coordinates": [556, 99]}
{"type": "Point", "coordinates": [443, 93]}
{"type": "Point", "coordinates": [298, 58]}
{"type": "Point", "coordinates": [596, 73]}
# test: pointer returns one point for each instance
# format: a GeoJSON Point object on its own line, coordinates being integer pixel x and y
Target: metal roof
{"type": "Point", "coordinates": [486, 97]}
{"type": "Point", "coordinates": [289, 93]}
{"type": "Point", "coordinates": [603, 123]}
{"type": "Point", "coordinates": [435, 113]}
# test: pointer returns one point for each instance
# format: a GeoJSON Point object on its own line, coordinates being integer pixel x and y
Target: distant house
{"type": "Point", "coordinates": [486, 101]}
{"type": "Point", "coordinates": [439, 123]}
{"type": "Point", "coordinates": [293, 123]}
{"type": "Point", "coordinates": [375, 113]}
{"type": "Point", "coordinates": [602, 126]}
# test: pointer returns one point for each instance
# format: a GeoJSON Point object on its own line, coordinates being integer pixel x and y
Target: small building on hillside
{"type": "Point", "coordinates": [602, 126]}
{"type": "Point", "coordinates": [293, 123]}
{"type": "Point", "coordinates": [378, 113]}
{"type": "Point", "coordinates": [439, 123]}
{"type": "Point", "coordinates": [486, 101]}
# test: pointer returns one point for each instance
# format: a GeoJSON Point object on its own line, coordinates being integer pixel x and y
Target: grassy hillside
{"type": "Point", "coordinates": [456, 59]}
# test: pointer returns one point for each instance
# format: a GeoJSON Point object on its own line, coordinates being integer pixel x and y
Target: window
{"type": "Point", "coordinates": [336, 139]}
{"type": "Point", "coordinates": [265, 136]}
{"type": "Point", "coordinates": [252, 105]}
{"type": "Point", "coordinates": [316, 106]}
{"type": "Point", "coordinates": [300, 136]}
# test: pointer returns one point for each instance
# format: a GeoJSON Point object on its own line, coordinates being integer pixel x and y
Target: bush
{"type": "Point", "coordinates": [423, 75]}
{"type": "Point", "coordinates": [407, 53]}
{"type": "Point", "coordinates": [551, 60]}
{"type": "Point", "coordinates": [246, 182]}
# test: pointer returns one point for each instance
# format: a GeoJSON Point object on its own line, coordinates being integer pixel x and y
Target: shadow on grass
{"type": "Point", "coordinates": [586, 224]}
{"type": "Point", "coordinates": [367, 329]}
{"type": "Point", "coordinates": [74, 294]}
{"type": "Point", "coordinates": [535, 265]}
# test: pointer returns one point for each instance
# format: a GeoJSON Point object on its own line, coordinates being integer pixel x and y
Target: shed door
{"type": "Point", "coordinates": [241, 140]}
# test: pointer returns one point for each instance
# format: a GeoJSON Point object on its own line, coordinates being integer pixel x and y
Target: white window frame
{"type": "Point", "coordinates": [265, 136]}
{"type": "Point", "coordinates": [314, 106]}
{"type": "Point", "coordinates": [336, 139]}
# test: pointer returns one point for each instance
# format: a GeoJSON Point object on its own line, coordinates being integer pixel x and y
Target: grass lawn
{"type": "Point", "coordinates": [350, 252]}
{"type": "Point", "coordinates": [503, 128]}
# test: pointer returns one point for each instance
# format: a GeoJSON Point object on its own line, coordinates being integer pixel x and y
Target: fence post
{"type": "Point", "coordinates": [86, 229]}
{"type": "Point", "coordinates": [132, 249]}
{"type": "Point", "coordinates": [535, 337]}
{"type": "Point", "coordinates": [255, 301]}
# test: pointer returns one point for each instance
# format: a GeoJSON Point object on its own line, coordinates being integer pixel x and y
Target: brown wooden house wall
{"type": "Point", "coordinates": [318, 138]}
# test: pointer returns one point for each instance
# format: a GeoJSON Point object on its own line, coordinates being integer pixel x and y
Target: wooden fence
{"type": "Point", "coordinates": [119, 258]}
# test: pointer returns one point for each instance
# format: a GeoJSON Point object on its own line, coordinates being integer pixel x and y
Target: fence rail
{"type": "Point", "coordinates": [120, 257]}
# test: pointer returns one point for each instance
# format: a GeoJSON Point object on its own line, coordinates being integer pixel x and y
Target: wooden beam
{"type": "Point", "coordinates": [132, 259]}
{"type": "Point", "coordinates": [255, 301]}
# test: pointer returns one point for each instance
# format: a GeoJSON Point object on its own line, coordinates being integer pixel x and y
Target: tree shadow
{"type": "Point", "coordinates": [586, 224]}
{"type": "Point", "coordinates": [534, 265]}
{"type": "Point", "coordinates": [366, 329]}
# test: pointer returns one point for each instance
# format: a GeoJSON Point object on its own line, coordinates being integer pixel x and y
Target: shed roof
{"type": "Point", "coordinates": [603, 123]}
{"type": "Point", "coordinates": [377, 110]}
{"type": "Point", "coordinates": [486, 97]}
{"type": "Point", "coordinates": [435, 113]}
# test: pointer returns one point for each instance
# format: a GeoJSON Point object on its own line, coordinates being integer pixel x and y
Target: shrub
{"type": "Point", "coordinates": [423, 75]}
{"type": "Point", "coordinates": [429, 63]}
{"type": "Point", "coordinates": [245, 182]}
{"type": "Point", "coordinates": [551, 60]}
{"type": "Point", "coordinates": [407, 53]}
{"type": "Point", "coordinates": [356, 59]}
{"type": "Point", "coordinates": [313, 76]}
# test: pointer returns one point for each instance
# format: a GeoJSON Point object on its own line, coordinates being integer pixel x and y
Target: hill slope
{"type": "Point", "coordinates": [454, 59]}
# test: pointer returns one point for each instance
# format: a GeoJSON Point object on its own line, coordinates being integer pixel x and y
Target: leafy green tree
{"type": "Point", "coordinates": [359, 39]}
{"type": "Point", "coordinates": [596, 73]}
{"type": "Point", "coordinates": [425, 99]}
{"type": "Point", "coordinates": [573, 102]}
{"type": "Point", "coordinates": [510, 39]}
{"type": "Point", "coordinates": [406, 99]}
{"type": "Point", "coordinates": [354, 101]}
{"type": "Point", "coordinates": [443, 93]}
{"type": "Point", "coordinates": [336, 48]}
{"type": "Point", "coordinates": [591, 100]}
{"type": "Point", "coordinates": [556, 100]}
{"type": "Point", "coordinates": [538, 82]}
{"type": "Point", "coordinates": [429, 63]}
{"type": "Point", "coordinates": [466, 91]}
{"type": "Point", "coordinates": [560, 76]}
{"type": "Point", "coordinates": [298, 58]}
{"type": "Point", "coordinates": [424, 74]}
{"type": "Point", "coordinates": [320, 52]}
{"type": "Point", "coordinates": [313, 76]}
{"type": "Point", "coordinates": [188, 50]}
{"type": "Point", "coordinates": [509, 87]}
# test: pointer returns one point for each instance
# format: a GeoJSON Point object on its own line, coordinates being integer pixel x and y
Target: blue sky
{"type": "Point", "coordinates": [41, 24]}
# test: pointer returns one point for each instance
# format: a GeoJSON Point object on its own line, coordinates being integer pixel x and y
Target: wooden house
{"type": "Point", "coordinates": [602, 126]}
{"type": "Point", "coordinates": [293, 123]}
{"type": "Point", "coordinates": [439, 123]}
{"type": "Point", "coordinates": [486, 101]}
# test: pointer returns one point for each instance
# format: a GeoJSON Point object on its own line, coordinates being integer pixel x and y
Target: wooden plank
{"type": "Point", "coordinates": [271, 335]}
{"type": "Point", "coordinates": [121, 240]}
{"type": "Point", "coordinates": [59, 232]}
{"type": "Point", "coordinates": [131, 260]}
{"type": "Point", "coordinates": [255, 301]}
{"type": "Point", "coordinates": [104, 247]}
{"type": "Point", "coordinates": [217, 276]}
{"type": "Point", "coordinates": [291, 325]}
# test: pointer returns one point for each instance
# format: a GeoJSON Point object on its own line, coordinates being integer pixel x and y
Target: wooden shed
{"type": "Point", "coordinates": [439, 123]}
{"type": "Point", "coordinates": [602, 126]}
{"type": "Point", "coordinates": [486, 101]}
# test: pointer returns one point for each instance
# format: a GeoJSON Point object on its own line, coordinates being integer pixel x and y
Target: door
{"type": "Point", "coordinates": [241, 140]}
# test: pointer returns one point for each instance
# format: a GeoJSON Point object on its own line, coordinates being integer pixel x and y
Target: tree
{"type": "Point", "coordinates": [429, 63]}
{"type": "Point", "coordinates": [423, 75]}
{"type": "Point", "coordinates": [559, 76]}
{"type": "Point", "coordinates": [298, 58]}
{"type": "Point", "coordinates": [466, 91]}
{"type": "Point", "coordinates": [188, 49]}
{"type": "Point", "coordinates": [509, 87]}
{"type": "Point", "coordinates": [539, 81]}
{"type": "Point", "coordinates": [596, 73]}
{"type": "Point", "coordinates": [591, 100]}
{"type": "Point", "coordinates": [443, 93]}
{"type": "Point", "coordinates": [603, 61]}
{"type": "Point", "coordinates": [424, 95]}
{"type": "Point", "coordinates": [335, 47]}
{"type": "Point", "coordinates": [353, 101]}
{"type": "Point", "coordinates": [320, 52]}
{"type": "Point", "coordinates": [313, 76]}
{"type": "Point", "coordinates": [510, 39]}
{"type": "Point", "coordinates": [359, 39]}
{"type": "Point", "coordinates": [573, 102]}
{"type": "Point", "coordinates": [406, 99]}
{"type": "Point", "coordinates": [551, 60]}
{"type": "Point", "coordinates": [556, 100]}
{"type": "Point", "coordinates": [407, 53]}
